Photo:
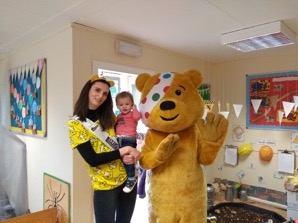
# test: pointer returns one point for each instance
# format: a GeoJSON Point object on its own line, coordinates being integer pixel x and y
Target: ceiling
{"type": "Point", "coordinates": [190, 27]}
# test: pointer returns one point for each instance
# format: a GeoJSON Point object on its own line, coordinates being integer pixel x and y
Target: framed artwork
{"type": "Point", "coordinates": [57, 194]}
{"type": "Point", "coordinates": [267, 96]}
{"type": "Point", "coordinates": [205, 91]}
{"type": "Point", "coordinates": [28, 98]}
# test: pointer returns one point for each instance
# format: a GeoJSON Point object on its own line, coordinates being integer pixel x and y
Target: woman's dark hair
{"type": "Point", "coordinates": [104, 112]}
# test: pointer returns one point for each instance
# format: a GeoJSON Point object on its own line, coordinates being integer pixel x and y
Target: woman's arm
{"type": "Point", "coordinates": [94, 159]}
{"type": "Point", "coordinates": [129, 155]}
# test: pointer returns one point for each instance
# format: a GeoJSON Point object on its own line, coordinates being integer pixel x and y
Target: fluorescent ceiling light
{"type": "Point", "coordinates": [263, 36]}
{"type": "Point", "coordinates": [128, 48]}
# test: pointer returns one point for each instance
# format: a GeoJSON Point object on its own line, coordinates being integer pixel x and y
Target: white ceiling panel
{"type": "Point", "coordinates": [191, 27]}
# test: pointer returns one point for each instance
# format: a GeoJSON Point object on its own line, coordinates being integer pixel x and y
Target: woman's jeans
{"type": "Point", "coordinates": [114, 205]}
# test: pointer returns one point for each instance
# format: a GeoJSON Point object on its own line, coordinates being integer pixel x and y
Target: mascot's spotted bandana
{"type": "Point", "coordinates": [155, 94]}
{"type": "Point", "coordinates": [176, 144]}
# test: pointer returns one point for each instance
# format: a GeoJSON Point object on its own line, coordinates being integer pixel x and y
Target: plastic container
{"type": "Point", "coordinates": [236, 189]}
{"type": "Point", "coordinates": [235, 193]}
{"type": "Point", "coordinates": [229, 193]}
{"type": "Point", "coordinates": [243, 195]}
{"type": "Point", "coordinates": [210, 195]}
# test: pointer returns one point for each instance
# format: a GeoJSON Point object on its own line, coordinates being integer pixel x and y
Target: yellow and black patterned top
{"type": "Point", "coordinates": [103, 177]}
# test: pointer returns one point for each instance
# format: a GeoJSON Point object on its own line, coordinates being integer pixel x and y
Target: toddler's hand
{"type": "Point", "coordinates": [135, 153]}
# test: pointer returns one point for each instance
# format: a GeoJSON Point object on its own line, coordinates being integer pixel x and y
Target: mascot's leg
{"type": "Point", "coordinates": [163, 218]}
{"type": "Point", "coordinates": [160, 211]}
{"type": "Point", "coordinates": [195, 212]}
{"type": "Point", "coordinates": [196, 216]}
{"type": "Point", "coordinates": [188, 217]}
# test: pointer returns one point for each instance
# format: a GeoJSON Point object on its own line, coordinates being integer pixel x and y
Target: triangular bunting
{"type": "Point", "coordinates": [296, 102]}
{"type": "Point", "coordinates": [237, 109]}
{"type": "Point", "coordinates": [205, 113]}
{"type": "Point", "coordinates": [209, 104]}
{"type": "Point", "coordinates": [224, 113]}
{"type": "Point", "coordinates": [228, 106]}
{"type": "Point", "coordinates": [280, 115]}
{"type": "Point", "coordinates": [256, 104]}
{"type": "Point", "coordinates": [288, 106]}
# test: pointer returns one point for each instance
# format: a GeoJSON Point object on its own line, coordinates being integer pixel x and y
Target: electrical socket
{"type": "Point", "coordinates": [220, 167]}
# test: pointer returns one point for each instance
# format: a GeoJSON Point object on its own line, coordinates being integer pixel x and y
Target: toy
{"type": "Point", "coordinates": [245, 149]}
{"type": "Point", "coordinates": [177, 143]}
{"type": "Point", "coordinates": [266, 153]}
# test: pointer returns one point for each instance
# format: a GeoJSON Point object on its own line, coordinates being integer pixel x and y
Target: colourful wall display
{"type": "Point", "coordinates": [28, 98]}
{"type": "Point", "coordinates": [274, 91]}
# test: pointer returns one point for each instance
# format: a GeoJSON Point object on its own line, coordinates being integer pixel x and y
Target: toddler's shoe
{"type": "Point", "coordinates": [130, 184]}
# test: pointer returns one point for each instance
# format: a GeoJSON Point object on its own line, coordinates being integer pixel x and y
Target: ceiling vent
{"type": "Point", "coordinates": [263, 36]}
{"type": "Point", "coordinates": [128, 48]}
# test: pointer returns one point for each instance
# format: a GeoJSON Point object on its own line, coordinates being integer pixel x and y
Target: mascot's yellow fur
{"type": "Point", "coordinates": [176, 144]}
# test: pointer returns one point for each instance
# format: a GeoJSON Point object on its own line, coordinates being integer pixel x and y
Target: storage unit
{"type": "Point", "coordinates": [242, 212]}
{"type": "Point", "coordinates": [292, 205]}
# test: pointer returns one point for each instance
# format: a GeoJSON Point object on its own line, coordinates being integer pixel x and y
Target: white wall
{"type": "Point", "coordinates": [228, 84]}
{"type": "Point", "coordinates": [51, 154]}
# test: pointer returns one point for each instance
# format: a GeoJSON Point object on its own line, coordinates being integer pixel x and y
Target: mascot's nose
{"type": "Point", "coordinates": [167, 105]}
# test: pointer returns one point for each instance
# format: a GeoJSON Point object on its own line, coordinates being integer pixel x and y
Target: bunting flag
{"type": "Point", "coordinates": [256, 104]}
{"type": "Point", "coordinates": [280, 115]}
{"type": "Point", "coordinates": [205, 113]}
{"type": "Point", "coordinates": [288, 106]}
{"type": "Point", "coordinates": [296, 102]}
{"type": "Point", "coordinates": [224, 113]}
{"type": "Point", "coordinates": [237, 109]}
{"type": "Point", "coordinates": [209, 104]}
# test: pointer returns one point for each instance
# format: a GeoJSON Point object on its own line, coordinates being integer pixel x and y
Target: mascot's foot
{"type": "Point", "coordinates": [130, 184]}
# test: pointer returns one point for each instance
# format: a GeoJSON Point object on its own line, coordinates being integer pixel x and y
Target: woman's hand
{"type": "Point", "coordinates": [128, 159]}
{"type": "Point", "coordinates": [129, 154]}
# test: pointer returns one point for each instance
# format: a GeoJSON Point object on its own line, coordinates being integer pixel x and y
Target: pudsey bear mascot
{"type": "Point", "coordinates": [177, 143]}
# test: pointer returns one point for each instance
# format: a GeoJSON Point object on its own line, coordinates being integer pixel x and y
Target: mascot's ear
{"type": "Point", "coordinates": [141, 81]}
{"type": "Point", "coordinates": [195, 77]}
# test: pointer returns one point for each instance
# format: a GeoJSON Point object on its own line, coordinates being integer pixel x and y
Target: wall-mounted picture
{"type": "Point", "coordinates": [28, 98]}
{"type": "Point", "coordinates": [57, 194]}
{"type": "Point", "coordinates": [205, 91]}
{"type": "Point", "coordinates": [272, 100]}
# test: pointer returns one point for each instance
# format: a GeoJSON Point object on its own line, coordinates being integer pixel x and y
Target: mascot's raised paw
{"type": "Point", "coordinates": [213, 128]}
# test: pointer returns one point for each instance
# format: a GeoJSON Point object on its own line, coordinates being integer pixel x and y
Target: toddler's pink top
{"type": "Point", "coordinates": [127, 124]}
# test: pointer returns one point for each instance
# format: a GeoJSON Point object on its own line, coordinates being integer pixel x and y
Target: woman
{"type": "Point", "coordinates": [91, 132]}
